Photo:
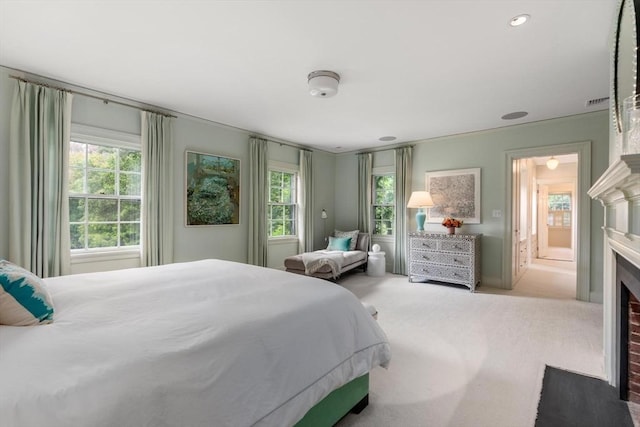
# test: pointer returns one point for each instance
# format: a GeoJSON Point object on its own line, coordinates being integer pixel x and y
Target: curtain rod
{"type": "Point", "coordinates": [107, 101]}
{"type": "Point", "coordinates": [384, 149]}
{"type": "Point", "coordinates": [103, 99]}
{"type": "Point", "coordinates": [281, 143]}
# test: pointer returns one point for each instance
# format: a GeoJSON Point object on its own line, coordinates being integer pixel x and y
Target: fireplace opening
{"type": "Point", "coordinates": [628, 283]}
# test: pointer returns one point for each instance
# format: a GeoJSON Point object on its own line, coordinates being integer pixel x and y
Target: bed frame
{"type": "Point", "coordinates": [352, 397]}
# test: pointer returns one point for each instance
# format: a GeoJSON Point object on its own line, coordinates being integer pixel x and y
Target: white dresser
{"type": "Point", "coordinates": [451, 258]}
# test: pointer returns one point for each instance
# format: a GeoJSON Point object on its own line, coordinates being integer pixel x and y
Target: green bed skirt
{"type": "Point", "coordinates": [337, 404]}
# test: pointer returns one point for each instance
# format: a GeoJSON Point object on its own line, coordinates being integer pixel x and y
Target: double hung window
{"type": "Point", "coordinates": [282, 209]}
{"type": "Point", "coordinates": [384, 208]}
{"type": "Point", "coordinates": [559, 214]}
{"type": "Point", "coordinates": [105, 194]}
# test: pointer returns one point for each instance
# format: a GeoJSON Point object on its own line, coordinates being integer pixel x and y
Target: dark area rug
{"type": "Point", "coordinates": [570, 399]}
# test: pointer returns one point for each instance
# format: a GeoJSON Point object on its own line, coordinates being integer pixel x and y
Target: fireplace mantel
{"type": "Point", "coordinates": [618, 189]}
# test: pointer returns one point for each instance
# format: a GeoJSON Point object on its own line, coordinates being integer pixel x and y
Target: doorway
{"type": "Point", "coordinates": [547, 212]}
{"type": "Point", "coordinates": [556, 219]}
{"type": "Point", "coordinates": [544, 211]}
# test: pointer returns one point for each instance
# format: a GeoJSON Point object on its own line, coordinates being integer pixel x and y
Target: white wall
{"type": "Point", "coordinates": [565, 172]}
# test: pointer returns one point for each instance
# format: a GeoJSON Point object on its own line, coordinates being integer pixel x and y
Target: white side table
{"type": "Point", "coordinates": [376, 266]}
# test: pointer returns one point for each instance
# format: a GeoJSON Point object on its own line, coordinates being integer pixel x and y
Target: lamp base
{"type": "Point", "coordinates": [420, 217]}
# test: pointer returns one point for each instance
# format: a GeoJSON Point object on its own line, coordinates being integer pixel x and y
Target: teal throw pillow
{"type": "Point", "coordinates": [24, 299]}
{"type": "Point", "coordinates": [353, 234]}
{"type": "Point", "coordinates": [339, 243]}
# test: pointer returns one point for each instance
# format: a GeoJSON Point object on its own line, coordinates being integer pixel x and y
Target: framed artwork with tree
{"type": "Point", "coordinates": [212, 189]}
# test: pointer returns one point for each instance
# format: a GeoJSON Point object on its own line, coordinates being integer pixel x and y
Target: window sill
{"type": "Point", "coordinates": [84, 257]}
{"type": "Point", "coordinates": [282, 240]}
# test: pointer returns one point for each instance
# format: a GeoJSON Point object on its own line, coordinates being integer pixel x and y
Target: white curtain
{"type": "Point", "coordinates": [365, 162]}
{"type": "Point", "coordinates": [403, 192]}
{"type": "Point", "coordinates": [258, 190]}
{"type": "Point", "coordinates": [305, 201]}
{"type": "Point", "coordinates": [38, 202]}
{"type": "Point", "coordinates": [157, 193]}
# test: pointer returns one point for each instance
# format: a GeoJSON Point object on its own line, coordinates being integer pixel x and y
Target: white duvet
{"type": "Point", "coordinates": [206, 343]}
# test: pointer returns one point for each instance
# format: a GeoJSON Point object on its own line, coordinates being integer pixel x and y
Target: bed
{"type": "Point", "coordinates": [350, 259]}
{"type": "Point", "coordinates": [205, 343]}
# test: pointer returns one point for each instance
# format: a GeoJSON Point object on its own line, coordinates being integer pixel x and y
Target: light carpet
{"type": "Point", "coordinates": [475, 359]}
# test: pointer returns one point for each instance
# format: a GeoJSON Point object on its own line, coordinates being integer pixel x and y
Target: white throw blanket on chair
{"type": "Point", "coordinates": [313, 261]}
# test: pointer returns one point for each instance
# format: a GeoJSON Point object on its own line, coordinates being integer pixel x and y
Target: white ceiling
{"type": "Point", "coordinates": [411, 69]}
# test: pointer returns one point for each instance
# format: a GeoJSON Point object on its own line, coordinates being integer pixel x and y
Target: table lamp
{"type": "Point", "coordinates": [420, 199]}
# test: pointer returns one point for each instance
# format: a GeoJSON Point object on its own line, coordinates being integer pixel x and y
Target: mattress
{"type": "Point", "coordinates": [206, 343]}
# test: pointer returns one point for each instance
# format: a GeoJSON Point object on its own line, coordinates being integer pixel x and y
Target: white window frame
{"type": "Point", "coordinates": [381, 171]}
{"type": "Point", "coordinates": [116, 139]}
{"type": "Point", "coordinates": [560, 214]}
{"type": "Point", "coordinates": [275, 166]}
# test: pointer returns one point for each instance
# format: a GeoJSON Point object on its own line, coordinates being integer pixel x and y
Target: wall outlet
{"type": "Point", "coordinates": [497, 213]}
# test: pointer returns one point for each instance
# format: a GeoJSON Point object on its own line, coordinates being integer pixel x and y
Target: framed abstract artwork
{"type": "Point", "coordinates": [455, 193]}
{"type": "Point", "coordinates": [212, 189]}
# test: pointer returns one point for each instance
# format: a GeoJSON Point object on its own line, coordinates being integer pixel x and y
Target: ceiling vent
{"type": "Point", "coordinates": [597, 101]}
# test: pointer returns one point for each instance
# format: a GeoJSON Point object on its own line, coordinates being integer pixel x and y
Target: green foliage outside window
{"type": "Point", "coordinates": [559, 202]}
{"type": "Point", "coordinates": [281, 212]}
{"type": "Point", "coordinates": [105, 186]}
{"type": "Point", "coordinates": [383, 204]}
{"type": "Point", "coordinates": [559, 214]}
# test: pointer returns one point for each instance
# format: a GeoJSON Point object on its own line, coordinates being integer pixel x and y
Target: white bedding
{"type": "Point", "coordinates": [207, 343]}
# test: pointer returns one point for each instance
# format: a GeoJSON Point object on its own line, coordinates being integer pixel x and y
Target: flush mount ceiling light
{"type": "Point", "coordinates": [387, 138]}
{"type": "Point", "coordinates": [552, 163]}
{"type": "Point", "coordinates": [323, 84]}
{"type": "Point", "coordinates": [516, 21]}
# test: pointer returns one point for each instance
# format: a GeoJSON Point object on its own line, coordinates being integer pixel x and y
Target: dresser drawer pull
{"type": "Point", "coordinates": [427, 245]}
{"type": "Point", "coordinates": [456, 260]}
{"type": "Point", "coordinates": [456, 247]}
{"type": "Point", "coordinates": [424, 270]}
{"type": "Point", "coordinates": [425, 257]}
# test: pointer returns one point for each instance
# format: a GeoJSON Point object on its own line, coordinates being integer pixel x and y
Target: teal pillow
{"type": "Point", "coordinates": [24, 299]}
{"type": "Point", "coordinates": [353, 234]}
{"type": "Point", "coordinates": [339, 243]}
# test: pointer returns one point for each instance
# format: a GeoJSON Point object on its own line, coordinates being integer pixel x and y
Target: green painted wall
{"type": "Point", "coordinates": [190, 243]}
{"type": "Point", "coordinates": [335, 184]}
{"type": "Point", "coordinates": [486, 150]}
{"type": "Point", "coordinates": [6, 94]}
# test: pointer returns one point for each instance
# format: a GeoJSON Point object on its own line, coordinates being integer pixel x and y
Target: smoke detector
{"type": "Point", "coordinates": [323, 83]}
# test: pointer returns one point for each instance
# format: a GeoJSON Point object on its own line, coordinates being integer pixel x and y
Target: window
{"type": "Point", "coordinates": [384, 208]}
{"type": "Point", "coordinates": [104, 196]}
{"type": "Point", "coordinates": [559, 214]}
{"type": "Point", "coordinates": [282, 210]}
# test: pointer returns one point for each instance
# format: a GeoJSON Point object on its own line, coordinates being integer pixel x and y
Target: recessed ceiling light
{"type": "Point", "coordinates": [516, 21]}
{"type": "Point", "coordinates": [514, 115]}
{"type": "Point", "coordinates": [387, 138]}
